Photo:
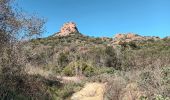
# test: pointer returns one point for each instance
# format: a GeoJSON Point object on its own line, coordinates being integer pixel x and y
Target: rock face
{"type": "Point", "coordinates": [125, 38]}
{"type": "Point", "coordinates": [68, 29]}
{"type": "Point", "coordinates": [130, 36]}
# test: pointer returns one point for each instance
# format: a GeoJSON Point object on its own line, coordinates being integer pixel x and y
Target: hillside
{"type": "Point", "coordinates": [69, 65]}
{"type": "Point", "coordinates": [127, 63]}
{"type": "Point", "coordinates": [62, 51]}
{"type": "Point", "coordinates": [131, 57]}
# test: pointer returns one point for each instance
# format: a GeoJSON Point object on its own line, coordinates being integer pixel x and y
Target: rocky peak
{"type": "Point", "coordinates": [68, 29]}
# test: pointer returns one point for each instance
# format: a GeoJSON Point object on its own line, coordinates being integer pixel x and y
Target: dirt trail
{"type": "Point", "coordinates": [47, 74]}
{"type": "Point", "coordinates": [91, 91]}
{"type": "Point", "coordinates": [66, 79]}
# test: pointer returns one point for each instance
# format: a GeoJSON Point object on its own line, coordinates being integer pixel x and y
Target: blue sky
{"type": "Point", "coordinates": [104, 17]}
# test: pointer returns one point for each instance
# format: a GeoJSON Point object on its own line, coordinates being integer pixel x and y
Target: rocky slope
{"type": "Point", "coordinates": [129, 37]}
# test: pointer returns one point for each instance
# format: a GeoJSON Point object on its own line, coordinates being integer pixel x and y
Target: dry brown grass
{"type": "Point", "coordinates": [33, 70]}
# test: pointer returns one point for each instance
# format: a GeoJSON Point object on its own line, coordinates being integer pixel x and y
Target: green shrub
{"type": "Point", "coordinates": [69, 70]}
{"type": "Point", "coordinates": [79, 68]}
{"type": "Point", "coordinates": [85, 68]}
{"type": "Point", "coordinates": [160, 97]}
{"type": "Point", "coordinates": [64, 92]}
{"type": "Point", "coordinates": [88, 70]}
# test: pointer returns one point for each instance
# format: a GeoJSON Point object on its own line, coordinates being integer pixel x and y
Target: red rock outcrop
{"type": "Point", "coordinates": [68, 29]}
{"type": "Point", "coordinates": [130, 36]}
{"type": "Point", "coordinates": [120, 36]}
{"type": "Point", "coordinates": [125, 38]}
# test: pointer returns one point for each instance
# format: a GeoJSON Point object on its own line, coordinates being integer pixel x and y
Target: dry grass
{"type": "Point", "coordinates": [140, 83]}
{"type": "Point", "coordinates": [33, 70]}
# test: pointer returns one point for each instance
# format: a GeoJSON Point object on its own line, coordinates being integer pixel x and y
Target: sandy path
{"type": "Point", "coordinates": [91, 91]}
{"type": "Point", "coordinates": [48, 74]}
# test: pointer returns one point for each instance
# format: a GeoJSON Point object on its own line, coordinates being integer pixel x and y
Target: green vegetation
{"type": "Point", "coordinates": [65, 91]}
{"type": "Point", "coordinates": [140, 66]}
{"type": "Point", "coordinates": [145, 63]}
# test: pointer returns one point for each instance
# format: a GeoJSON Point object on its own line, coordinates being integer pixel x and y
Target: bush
{"type": "Point", "coordinates": [154, 81]}
{"type": "Point", "coordinates": [160, 97]}
{"type": "Point", "coordinates": [88, 70]}
{"type": "Point", "coordinates": [69, 71]}
{"type": "Point", "coordinates": [24, 87]}
{"type": "Point", "coordinates": [64, 92]}
{"type": "Point", "coordinates": [84, 68]}
{"type": "Point", "coordinates": [79, 68]}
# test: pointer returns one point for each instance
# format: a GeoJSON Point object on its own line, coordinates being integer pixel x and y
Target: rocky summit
{"type": "Point", "coordinates": [67, 29]}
